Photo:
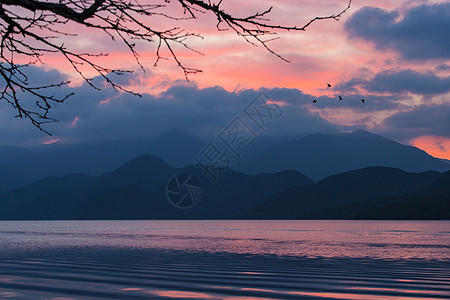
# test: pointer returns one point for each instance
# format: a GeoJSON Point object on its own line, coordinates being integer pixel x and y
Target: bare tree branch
{"type": "Point", "coordinates": [32, 28]}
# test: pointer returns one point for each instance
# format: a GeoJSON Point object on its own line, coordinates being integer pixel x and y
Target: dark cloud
{"type": "Point", "coordinates": [92, 115]}
{"type": "Point", "coordinates": [36, 76]}
{"type": "Point", "coordinates": [443, 67]}
{"type": "Point", "coordinates": [419, 33]}
{"type": "Point", "coordinates": [400, 81]}
{"type": "Point", "coordinates": [97, 115]}
{"type": "Point", "coordinates": [350, 85]}
{"type": "Point", "coordinates": [408, 81]}
{"type": "Point", "coordinates": [422, 120]}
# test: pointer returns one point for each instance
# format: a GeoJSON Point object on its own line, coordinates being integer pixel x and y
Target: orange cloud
{"type": "Point", "coordinates": [320, 54]}
{"type": "Point", "coordinates": [434, 145]}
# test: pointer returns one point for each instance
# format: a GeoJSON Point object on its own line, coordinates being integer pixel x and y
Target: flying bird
{"type": "Point", "coordinates": [314, 101]}
{"type": "Point", "coordinates": [362, 100]}
{"type": "Point", "coordinates": [329, 85]}
{"type": "Point", "coordinates": [340, 98]}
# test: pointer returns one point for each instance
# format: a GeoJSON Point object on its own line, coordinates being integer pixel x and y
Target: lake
{"type": "Point", "coordinates": [225, 259]}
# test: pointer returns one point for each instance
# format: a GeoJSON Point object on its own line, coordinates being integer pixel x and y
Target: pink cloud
{"type": "Point", "coordinates": [436, 146]}
{"type": "Point", "coordinates": [50, 141]}
{"type": "Point", "coordinates": [74, 122]}
{"type": "Point", "coordinates": [321, 54]}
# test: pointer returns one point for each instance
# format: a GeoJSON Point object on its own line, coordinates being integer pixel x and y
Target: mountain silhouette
{"type": "Point", "coordinates": [431, 203]}
{"type": "Point", "coordinates": [145, 171]}
{"type": "Point", "coordinates": [20, 165]}
{"type": "Point", "coordinates": [341, 196]}
{"type": "Point", "coordinates": [442, 183]}
{"type": "Point", "coordinates": [236, 193]}
{"type": "Point", "coordinates": [419, 206]}
{"type": "Point", "coordinates": [320, 155]}
{"type": "Point", "coordinates": [66, 197]}
{"type": "Point", "coordinates": [136, 190]}
{"type": "Point", "coordinates": [368, 181]}
{"type": "Point", "coordinates": [17, 197]}
{"type": "Point", "coordinates": [317, 156]}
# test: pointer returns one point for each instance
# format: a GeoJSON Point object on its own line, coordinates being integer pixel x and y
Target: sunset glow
{"type": "Point", "coordinates": [395, 80]}
{"type": "Point", "coordinates": [225, 149]}
{"type": "Point", "coordinates": [434, 145]}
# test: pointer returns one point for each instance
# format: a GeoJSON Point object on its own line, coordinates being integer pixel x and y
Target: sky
{"type": "Point", "coordinates": [394, 54]}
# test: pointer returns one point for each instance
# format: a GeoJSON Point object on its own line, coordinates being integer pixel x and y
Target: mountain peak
{"type": "Point", "coordinates": [146, 171]}
{"type": "Point", "coordinates": [176, 147]}
{"type": "Point", "coordinates": [318, 156]}
{"type": "Point", "coordinates": [360, 132]}
{"type": "Point", "coordinates": [173, 134]}
{"type": "Point", "coordinates": [147, 160]}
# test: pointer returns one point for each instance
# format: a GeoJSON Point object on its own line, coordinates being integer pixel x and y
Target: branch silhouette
{"type": "Point", "coordinates": [33, 28]}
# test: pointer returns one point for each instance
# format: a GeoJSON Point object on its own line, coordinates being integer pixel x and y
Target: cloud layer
{"type": "Point", "coordinates": [422, 120]}
{"type": "Point", "coordinates": [106, 114]}
{"type": "Point", "coordinates": [400, 81]}
{"type": "Point", "coordinates": [418, 33]}
{"type": "Point", "coordinates": [392, 54]}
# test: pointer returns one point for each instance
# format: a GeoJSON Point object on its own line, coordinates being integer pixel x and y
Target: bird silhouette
{"type": "Point", "coordinates": [329, 85]}
{"type": "Point", "coordinates": [314, 101]}
{"type": "Point", "coordinates": [362, 100]}
{"type": "Point", "coordinates": [340, 98]}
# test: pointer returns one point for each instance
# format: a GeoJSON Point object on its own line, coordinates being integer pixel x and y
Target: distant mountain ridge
{"type": "Point", "coordinates": [342, 196]}
{"type": "Point", "coordinates": [136, 190]}
{"type": "Point", "coordinates": [20, 166]}
{"type": "Point", "coordinates": [320, 155]}
{"type": "Point", "coordinates": [317, 156]}
{"type": "Point", "coordinates": [360, 175]}
{"type": "Point", "coordinates": [431, 203]}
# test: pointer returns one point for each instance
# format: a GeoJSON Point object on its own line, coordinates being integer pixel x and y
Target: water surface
{"type": "Point", "coordinates": [225, 259]}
